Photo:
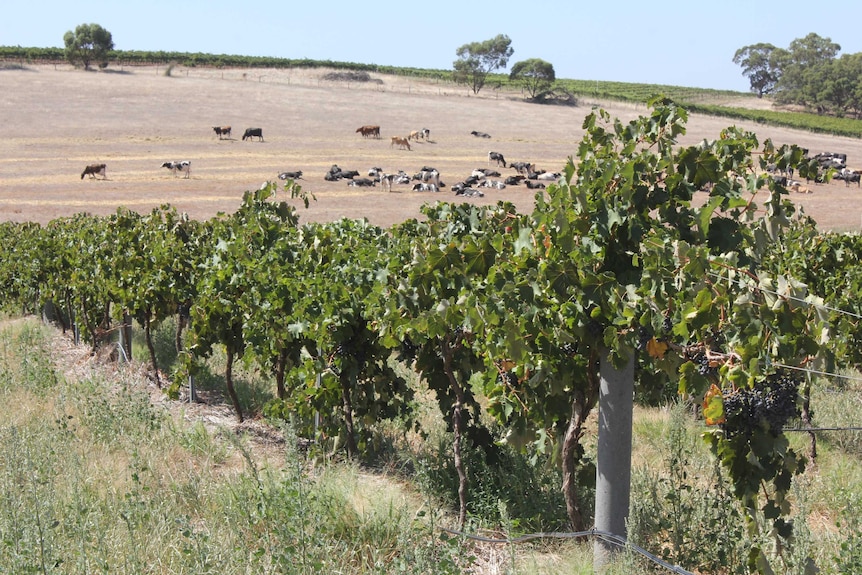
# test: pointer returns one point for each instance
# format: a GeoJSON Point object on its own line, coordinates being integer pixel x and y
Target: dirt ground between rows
{"type": "Point", "coordinates": [57, 120]}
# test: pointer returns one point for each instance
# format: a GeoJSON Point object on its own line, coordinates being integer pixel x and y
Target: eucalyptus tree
{"type": "Point", "coordinates": [87, 44]}
{"type": "Point", "coordinates": [761, 65]}
{"type": "Point", "coordinates": [535, 74]}
{"type": "Point", "coordinates": [478, 59]}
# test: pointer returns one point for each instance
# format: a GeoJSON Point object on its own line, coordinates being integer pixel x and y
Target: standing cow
{"type": "Point", "coordinates": [93, 170]}
{"type": "Point", "coordinates": [253, 133]}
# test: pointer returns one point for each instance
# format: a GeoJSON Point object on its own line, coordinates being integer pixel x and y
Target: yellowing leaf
{"type": "Point", "coordinates": [713, 406]}
{"type": "Point", "coordinates": [656, 349]}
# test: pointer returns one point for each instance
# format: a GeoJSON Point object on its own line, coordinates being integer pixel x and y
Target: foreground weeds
{"type": "Point", "coordinates": [95, 478]}
{"type": "Point", "coordinates": [99, 473]}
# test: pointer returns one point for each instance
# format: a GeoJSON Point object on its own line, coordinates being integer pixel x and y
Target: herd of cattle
{"type": "Point", "coordinates": [826, 162]}
{"type": "Point", "coordinates": [428, 179]}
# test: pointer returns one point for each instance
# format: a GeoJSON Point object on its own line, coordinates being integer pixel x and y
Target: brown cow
{"type": "Point", "coordinates": [368, 131]}
{"type": "Point", "coordinates": [222, 131]}
{"type": "Point", "coordinates": [402, 142]}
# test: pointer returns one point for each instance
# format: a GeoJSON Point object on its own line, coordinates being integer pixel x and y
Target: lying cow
{"type": "Point", "coordinates": [480, 134]}
{"type": "Point", "coordinates": [290, 175]}
{"type": "Point", "coordinates": [422, 187]}
{"type": "Point", "coordinates": [253, 133]}
{"type": "Point", "coordinates": [177, 167]}
{"type": "Point", "coordinates": [222, 131]}
{"type": "Point", "coordinates": [362, 182]}
{"type": "Point", "coordinates": [93, 170]}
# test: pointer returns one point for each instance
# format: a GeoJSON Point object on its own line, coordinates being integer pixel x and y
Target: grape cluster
{"type": "Point", "coordinates": [408, 348]}
{"type": "Point", "coordinates": [569, 349]}
{"type": "Point", "coordinates": [667, 324]}
{"type": "Point", "coordinates": [508, 378]}
{"type": "Point", "coordinates": [644, 335]}
{"type": "Point", "coordinates": [705, 366]}
{"type": "Point", "coordinates": [770, 404]}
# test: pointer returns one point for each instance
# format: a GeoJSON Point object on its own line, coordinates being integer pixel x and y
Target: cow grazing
{"type": "Point", "coordinates": [253, 133]}
{"type": "Point", "coordinates": [93, 170]}
{"type": "Point", "coordinates": [222, 131]}
{"type": "Point", "coordinates": [369, 131]}
{"type": "Point", "coordinates": [290, 175]}
{"type": "Point", "coordinates": [402, 143]}
{"type": "Point", "coordinates": [480, 134]}
{"type": "Point", "coordinates": [177, 167]}
{"type": "Point", "coordinates": [496, 157]}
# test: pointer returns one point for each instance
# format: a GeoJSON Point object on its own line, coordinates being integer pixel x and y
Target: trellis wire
{"type": "Point", "coordinates": [604, 535]}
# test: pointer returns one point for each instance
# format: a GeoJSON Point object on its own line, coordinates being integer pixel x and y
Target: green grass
{"type": "Point", "coordinates": [96, 478]}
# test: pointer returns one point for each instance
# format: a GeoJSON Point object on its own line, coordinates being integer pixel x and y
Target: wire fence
{"type": "Point", "coordinates": [604, 536]}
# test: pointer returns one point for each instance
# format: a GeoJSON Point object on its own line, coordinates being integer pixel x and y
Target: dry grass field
{"type": "Point", "coordinates": [57, 120]}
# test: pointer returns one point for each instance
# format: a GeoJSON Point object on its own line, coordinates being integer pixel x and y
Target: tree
{"type": "Point", "coordinates": [536, 74]}
{"type": "Point", "coordinates": [760, 65]}
{"type": "Point", "coordinates": [477, 59]}
{"type": "Point", "coordinates": [799, 81]}
{"type": "Point", "coordinates": [87, 44]}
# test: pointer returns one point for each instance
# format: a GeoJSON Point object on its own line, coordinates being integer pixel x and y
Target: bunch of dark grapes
{"type": "Point", "coordinates": [770, 404]}
{"type": "Point", "coordinates": [508, 378]}
{"type": "Point", "coordinates": [667, 324]}
{"type": "Point", "coordinates": [705, 367]}
{"type": "Point", "coordinates": [569, 349]}
{"type": "Point", "coordinates": [408, 348]}
{"type": "Point", "coordinates": [644, 335]}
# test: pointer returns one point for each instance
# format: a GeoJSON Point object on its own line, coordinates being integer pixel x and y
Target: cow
{"type": "Point", "coordinates": [423, 187]}
{"type": "Point", "coordinates": [253, 133]}
{"type": "Point", "coordinates": [496, 157]}
{"type": "Point", "coordinates": [523, 168]}
{"type": "Point", "coordinates": [534, 185]}
{"type": "Point", "coordinates": [362, 182]}
{"type": "Point", "coordinates": [549, 176]}
{"type": "Point", "coordinates": [369, 131]}
{"type": "Point", "coordinates": [222, 131]}
{"type": "Point", "coordinates": [93, 170]}
{"type": "Point", "coordinates": [849, 176]}
{"type": "Point", "coordinates": [480, 134]}
{"type": "Point", "coordinates": [176, 167]}
{"type": "Point", "coordinates": [290, 175]}
{"type": "Point", "coordinates": [401, 142]}
{"type": "Point", "coordinates": [426, 134]}
{"type": "Point", "coordinates": [414, 135]}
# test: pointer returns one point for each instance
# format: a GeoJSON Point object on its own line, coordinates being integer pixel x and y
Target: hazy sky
{"type": "Point", "coordinates": [684, 43]}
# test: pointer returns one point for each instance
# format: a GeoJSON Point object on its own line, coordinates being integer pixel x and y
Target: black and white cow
{"type": "Point", "coordinates": [496, 157]}
{"type": "Point", "coordinates": [480, 134]}
{"type": "Point", "coordinates": [297, 175]}
{"type": "Point", "coordinates": [253, 133]}
{"type": "Point", "coordinates": [177, 167]}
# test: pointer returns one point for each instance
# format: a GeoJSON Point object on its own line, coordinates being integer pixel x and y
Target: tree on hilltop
{"type": "Point", "coordinates": [477, 59]}
{"type": "Point", "coordinates": [87, 44]}
{"type": "Point", "coordinates": [536, 75]}
{"type": "Point", "coordinates": [761, 65]}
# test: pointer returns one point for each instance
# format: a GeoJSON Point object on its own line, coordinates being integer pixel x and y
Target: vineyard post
{"type": "Point", "coordinates": [613, 453]}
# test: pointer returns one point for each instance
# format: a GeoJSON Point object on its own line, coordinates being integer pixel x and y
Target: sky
{"type": "Point", "coordinates": [680, 43]}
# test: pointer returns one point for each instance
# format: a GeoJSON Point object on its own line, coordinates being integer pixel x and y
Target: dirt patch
{"type": "Point", "coordinates": [58, 120]}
